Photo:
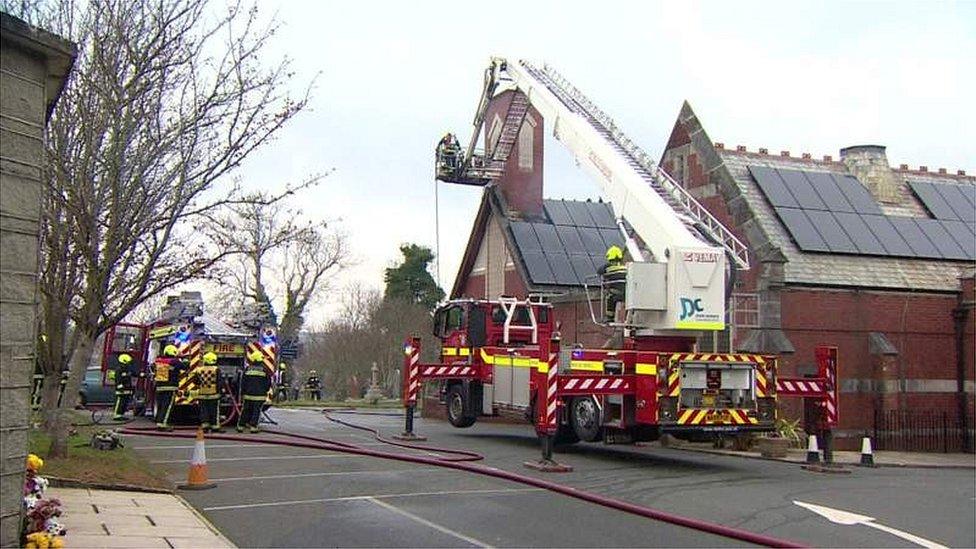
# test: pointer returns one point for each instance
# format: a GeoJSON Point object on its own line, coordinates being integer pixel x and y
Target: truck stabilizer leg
{"type": "Point", "coordinates": [547, 464]}
{"type": "Point", "coordinates": [408, 433]}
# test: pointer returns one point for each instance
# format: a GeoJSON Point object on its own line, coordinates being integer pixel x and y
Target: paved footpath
{"type": "Point", "coordinates": [110, 518]}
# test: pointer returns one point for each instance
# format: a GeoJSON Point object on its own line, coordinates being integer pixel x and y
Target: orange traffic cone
{"type": "Point", "coordinates": [197, 477]}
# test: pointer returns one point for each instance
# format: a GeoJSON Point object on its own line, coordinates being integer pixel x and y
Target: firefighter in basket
{"type": "Point", "coordinates": [168, 368]}
{"type": "Point", "coordinates": [614, 275]}
{"type": "Point", "coordinates": [207, 379]}
{"type": "Point", "coordinates": [255, 384]}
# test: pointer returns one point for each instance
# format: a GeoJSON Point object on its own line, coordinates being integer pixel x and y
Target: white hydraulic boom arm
{"type": "Point", "coordinates": [677, 230]}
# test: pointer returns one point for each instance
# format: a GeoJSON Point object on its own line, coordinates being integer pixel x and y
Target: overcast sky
{"type": "Point", "coordinates": [805, 77]}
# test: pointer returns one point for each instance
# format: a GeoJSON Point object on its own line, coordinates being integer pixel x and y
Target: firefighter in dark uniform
{"type": "Point", "coordinates": [123, 384]}
{"type": "Point", "coordinates": [313, 386]}
{"type": "Point", "coordinates": [255, 384]}
{"type": "Point", "coordinates": [207, 380]}
{"type": "Point", "coordinates": [168, 368]}
{"type": "Point", "coordinates": [61, 385]}
{"type": "Point", "coordinates": [614, 274]}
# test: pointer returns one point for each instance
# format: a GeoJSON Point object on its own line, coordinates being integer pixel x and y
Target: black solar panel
{"type": "Point", "coordinates": [592, 241]}
{"type": "Point", "coordinates": [538, 268]}
{"type": "Point", "coordinates": [829, 191]}
{"type": "Point", "coordinates": [803, 232]}
{"type": "Point", "coordinates": [964, 234]}
{"type": "Point", "coordinates": [887, 235]}
{"type": "Point", "coordinates": [913, 235]}
{"type": "Point", "coordinates": [571, 240]}
{"type": "Point", "coordinates": [602, 215]}
{"type": "Point", "coordinates": [801, 189]}
{"type": "Point", "coordinates": [941, 238]}
{"type": "Point", "coordinates": [561, 268]}
{"type": "Point", "coordinates": [857, 195]}
{"type": "Point", "coordinates": [557, 213]}
{"type": "Point", "coordinates": [584, 268]}
{"type": "Point", "coordinates": [580, 213]}
{"type": "Point", "coordinates": [773, 187]}
{"type": "Point", "coordinates": [547, 236]}
{"type": "Point", "coordinates": [525, 237]}
{"type": "Point", "coordinates": [859, 233]}
{"type": "Point", "coordinates": [831, 232]}
{"type": "Point", "coordinates": [958, 201]}
{"type": "Point", "coordinates": [932, 200]}
{"type": "Point", "coordinates": [611, 237]}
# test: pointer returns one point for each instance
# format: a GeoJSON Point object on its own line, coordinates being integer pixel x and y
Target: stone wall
{"type": "Point", "coordinates": [27, 91]}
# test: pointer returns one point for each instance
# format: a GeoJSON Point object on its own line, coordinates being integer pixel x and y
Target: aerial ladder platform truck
{"type": "Point", "coordinates": [505, 354]}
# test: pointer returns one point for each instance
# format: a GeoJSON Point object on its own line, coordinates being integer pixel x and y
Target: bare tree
{"type": "Point", "coordinates": [281, 257]}
{"type": "Point", "coordinates": [166, 100]}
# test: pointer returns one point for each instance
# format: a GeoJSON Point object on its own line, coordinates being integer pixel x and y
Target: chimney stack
{"type": "Point", "coordinates": [869, 164]}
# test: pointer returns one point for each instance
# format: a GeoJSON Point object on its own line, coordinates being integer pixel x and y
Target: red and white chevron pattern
{"type": "Point", "coordinates": [413, 380]}
{"type": "Point", "coordinates": [582, 383]}
{"type": "Point", "coordinates": [799, 387]}
{"type": "Point", "coordinates": [552, 389]}
{"type": "Point", "coordinates": [447, 371]}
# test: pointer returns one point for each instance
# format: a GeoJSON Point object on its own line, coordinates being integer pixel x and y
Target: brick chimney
{"type": "Point", "coordinates": [869, 164]}
{"type": "Point", "coordinates": [521, 184]}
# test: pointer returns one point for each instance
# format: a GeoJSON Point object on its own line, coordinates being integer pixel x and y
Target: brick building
{"type": "Point", "coordinates": [889, 282]}
{"type": "Point", "coordinates": [33, 67]}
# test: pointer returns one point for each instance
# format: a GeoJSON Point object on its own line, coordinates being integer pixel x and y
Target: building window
{"type": "Point", "coordinates": [679, 168]}
{"type": "Point", "coordinates": [493, 134]}
{"type": "Point", "coordinates": [526, 144]}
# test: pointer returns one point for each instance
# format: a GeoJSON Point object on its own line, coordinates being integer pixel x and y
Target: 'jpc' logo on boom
{"type": "Point", "coordinates": [690, 307]}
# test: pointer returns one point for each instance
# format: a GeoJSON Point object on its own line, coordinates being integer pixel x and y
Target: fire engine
{"type": "Point", "coordinates": [183, 322]}
{"type": "Point", "coordinates": [506, 355]}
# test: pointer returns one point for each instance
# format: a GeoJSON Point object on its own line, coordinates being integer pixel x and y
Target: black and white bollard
{"type": "Point", "coordinates": [867, 453]}
{"type": "Point", "coordinates": [813, 452]}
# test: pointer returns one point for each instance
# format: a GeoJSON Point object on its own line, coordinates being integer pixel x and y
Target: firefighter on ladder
{"type": "Point", "coordinates": [123, 385]}
{"type": "Point", "coordinates": [614, 275]}
{"type": "Point", "coordinates": [168, 369]}
{"type": "Point", "coordinates": [255, 384]}
{"type": "Point", "coordinates": [449, 151]}
{"type": "Point", "coordinates": [207, 380]}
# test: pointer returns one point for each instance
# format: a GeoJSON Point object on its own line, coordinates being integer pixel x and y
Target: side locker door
{"type": "Point", "coordinates": [477, 337]}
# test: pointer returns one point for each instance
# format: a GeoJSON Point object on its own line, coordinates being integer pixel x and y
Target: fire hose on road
{"type": "Point", "coordinates": [462, 463]}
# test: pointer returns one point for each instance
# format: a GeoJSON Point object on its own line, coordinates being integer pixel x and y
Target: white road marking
{"type": "Point", "coordinates": [377, 496]}
{"type": "Point", "coordinates": [426, 522]}
{"type": "Point", "coordinates": [846, 518]}
{"type": "Point", "coordinates": [332, 474]}
{"type": "Point", "coordinates": [259, 458]}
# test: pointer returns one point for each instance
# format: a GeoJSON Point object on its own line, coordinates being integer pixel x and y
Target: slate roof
{"type": "Point", "coordinates": [828, 269]}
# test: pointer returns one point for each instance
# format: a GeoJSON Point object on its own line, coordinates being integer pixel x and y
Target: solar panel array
{"type": "Point", "coordinates": [835, 213]}
{"type": "Point", "coordinates": [947, 201]}
{"type": "Point", "coordinates": [571, 248]}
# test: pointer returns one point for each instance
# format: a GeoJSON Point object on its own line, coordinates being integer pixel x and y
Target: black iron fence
{"type": "Point", "coordinates": [918, 431]}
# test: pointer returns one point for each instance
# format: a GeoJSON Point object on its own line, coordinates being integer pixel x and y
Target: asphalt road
{"type": "Point", "coordinates": [274, 496]}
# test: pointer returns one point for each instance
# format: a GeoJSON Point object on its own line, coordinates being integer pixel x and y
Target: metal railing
{"type": "Point", "coordinates": [918, 431]}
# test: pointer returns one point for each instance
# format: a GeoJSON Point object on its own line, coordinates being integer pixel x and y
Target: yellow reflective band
{"type": "Point", "coordinates": [694, 325]}
{"type": "Point", "coordinates": [543, 367]}
{"type": "Point", "coordinates": [452, 351]}
{"type": "Point", "coordinates": [162, 332]}
{"type": "Point", "coordinates": [589, 365]}
{"type": "Point", "coordinates": [646, 369]}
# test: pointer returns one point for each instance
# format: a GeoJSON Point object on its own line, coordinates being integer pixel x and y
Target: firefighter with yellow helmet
{"type": "Point", "coordinates": [255, 384]}
{"type": "Point", "coordinates": [614, 274]}
{"type": "Point", "coordinates": [207, 380]}
{"type": "Point", "coordinates": [168, 369]}
{"type": "Point", "coordinates": [123, 384]}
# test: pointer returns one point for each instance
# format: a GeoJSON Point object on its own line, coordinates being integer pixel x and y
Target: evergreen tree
{"type": "Point", "coordinates": [411, 281]}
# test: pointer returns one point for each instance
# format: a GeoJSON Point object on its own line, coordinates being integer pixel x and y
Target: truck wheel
{"type": "Point", "coordinates": [565, 435]}
{"type": "Point", "coordinates": [455, 408]}
{"type": "Point", "coordinates": [586, 419]}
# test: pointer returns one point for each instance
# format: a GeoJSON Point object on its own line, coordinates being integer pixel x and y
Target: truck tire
{"type": "Point", "coordinates": [586, 418]}
{"type": "Point", "coordinates": [455, 407]}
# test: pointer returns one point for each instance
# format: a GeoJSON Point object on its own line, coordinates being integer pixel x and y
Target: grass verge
{"type": "Point", "coordinates": [87, 465]}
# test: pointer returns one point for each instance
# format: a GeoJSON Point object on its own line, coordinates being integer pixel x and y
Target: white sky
{"type": "Point", "coordinates": [804, 77]}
